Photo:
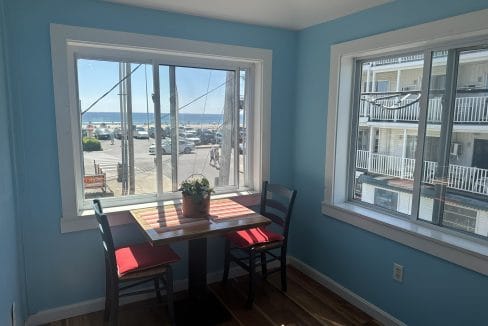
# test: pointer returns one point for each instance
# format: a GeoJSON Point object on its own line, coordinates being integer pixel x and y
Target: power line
{"type": "Point", "coordinates": [110, 90]}
{"type": "Point", "coordinates": [199, 97]}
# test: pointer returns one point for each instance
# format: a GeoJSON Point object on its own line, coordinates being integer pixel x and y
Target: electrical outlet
{"type": "Point", "coordinates": [398, 272]}
{"type": "Point", "coordinates": [12, 314]}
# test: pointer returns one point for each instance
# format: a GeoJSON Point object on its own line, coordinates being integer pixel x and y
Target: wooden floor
{"type": "Point", "coordinates": [305, 303]}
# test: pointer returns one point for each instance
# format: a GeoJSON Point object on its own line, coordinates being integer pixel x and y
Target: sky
{"type": "Point", "coordinates": [96, 77]}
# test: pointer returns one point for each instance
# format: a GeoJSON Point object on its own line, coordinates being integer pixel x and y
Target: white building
{"type": "Point", "coordinates": [387, 138]}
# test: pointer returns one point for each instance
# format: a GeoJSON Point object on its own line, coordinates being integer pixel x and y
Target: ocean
{"type": "Point", "coordinates": [140, 118]}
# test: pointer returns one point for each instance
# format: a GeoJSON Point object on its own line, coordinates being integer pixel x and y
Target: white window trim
{"type": "Point", "coordinates": [157, 49]}
{"type": "Point", "coordinates": [469, 252]}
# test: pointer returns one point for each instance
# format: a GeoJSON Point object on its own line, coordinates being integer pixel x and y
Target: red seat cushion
{"type": "Point", "coordinates": [143, 256]}
{"type": "Point", "coordinates": [249, 237]}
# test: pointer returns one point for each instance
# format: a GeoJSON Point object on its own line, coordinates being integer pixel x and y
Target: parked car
{"type": "Point", "coordinates": [102, 133]}
{"type": "Point", "coordinates": [152, 132]}
{"type": "Point", "coordinates": [185, 147]}
{"type": "Point", "coordinates": [165, 132]}
{"type": "Point", "coordinates": [218, 137]}
{"type": "Point", "coordinates": [118, 133]}
{"type": "Point", "coordinates": [206, 136]}
{"type": "Point", "coordinates": [140, 133]}
{"type": "Point", "coordinates": [190, 136]}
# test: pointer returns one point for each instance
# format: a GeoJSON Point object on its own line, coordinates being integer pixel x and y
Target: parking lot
{"type": "Point", "coordinates": [145, 168]}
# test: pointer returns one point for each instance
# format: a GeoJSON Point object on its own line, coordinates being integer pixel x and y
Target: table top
{"type": "Point", "coordinates": [166, 224]}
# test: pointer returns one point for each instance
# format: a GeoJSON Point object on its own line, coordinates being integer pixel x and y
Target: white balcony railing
{"type": "Point", "coordinates": [464, 178]}
{"type": "Point", "coordinates": [409, 58]}
{"type": "Point", "coordinates": [473, 109]}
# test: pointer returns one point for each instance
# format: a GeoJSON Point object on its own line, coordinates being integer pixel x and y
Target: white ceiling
{"type": "Point", "coordinates": [289, 14]}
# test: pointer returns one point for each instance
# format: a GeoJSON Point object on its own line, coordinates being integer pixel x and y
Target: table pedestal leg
{"type": "Point", "coordinates": [197, 268]}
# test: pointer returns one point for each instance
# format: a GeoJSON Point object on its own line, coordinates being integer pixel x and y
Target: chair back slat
{"type": "Point", "coordinates": [107, 240]}
{"type": "Point", "coordinates": [281, 190]}
{"type": "Point", "coordinates": [277, 205]}
{"type": "Point", "coordinates": [275, 218]}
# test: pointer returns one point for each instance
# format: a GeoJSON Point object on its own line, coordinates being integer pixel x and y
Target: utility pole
{"type": "Point", "coordinates": [128, 176]}
{"type": "Point", "coordinates": [123, 126]}
{"type": "Point", "coordinates": [227, 130]}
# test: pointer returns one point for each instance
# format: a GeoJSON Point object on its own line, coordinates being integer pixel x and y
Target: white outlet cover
{"type": "Point", "coordinates": [397, 272]}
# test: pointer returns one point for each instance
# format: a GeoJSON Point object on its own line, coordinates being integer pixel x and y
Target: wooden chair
{"type": "Point", "coordinates": [135, 264]}
{"type": "Point", "coordinates": [248, 245]}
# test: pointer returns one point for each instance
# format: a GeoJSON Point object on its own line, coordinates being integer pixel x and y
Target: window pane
{"type": "Point", "coordinates": [204, 125]}
{"type": "Point", "coordinates": [466, 199]}
{"type": "Point", "coordinates": [115, 109]}
{"type": "Point", "coordinates": [243, 114]}
{"type": "Point", "coordinates": [387, 132]}
{"type": "Point", "coordinates": [164, 100]}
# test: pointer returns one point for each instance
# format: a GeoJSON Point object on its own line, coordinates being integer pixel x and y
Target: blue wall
{"type": "Point", "coordinates": [67, 268]}
{"type": "Point", "coordinates": [434, 292]}
{"type": "Point", "coordinates": [11, 277]}
{"type": "Point", "coordinates": [61, 269]}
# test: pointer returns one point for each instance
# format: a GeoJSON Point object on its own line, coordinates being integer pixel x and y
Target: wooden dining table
{"type": "Point", "coordinates": [167, 224]}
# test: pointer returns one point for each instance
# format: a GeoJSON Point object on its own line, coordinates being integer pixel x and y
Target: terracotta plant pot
{"type": "Point", "coordinates": [196, 209]}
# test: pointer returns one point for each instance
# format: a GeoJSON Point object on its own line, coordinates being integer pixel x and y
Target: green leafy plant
{"type": "Point", "coordinates": [197, 187]}
{"type": "Point", "coordinates": [91, 144]}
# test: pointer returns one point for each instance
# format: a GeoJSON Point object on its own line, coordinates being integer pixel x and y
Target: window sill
{"type": "Point", "coordinates": [468, 253]}
{"type": "Point", "coordinates": [120, 214]}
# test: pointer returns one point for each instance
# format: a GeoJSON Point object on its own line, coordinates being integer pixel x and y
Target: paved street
{"type": "Point", "coordinates": [196, 162]}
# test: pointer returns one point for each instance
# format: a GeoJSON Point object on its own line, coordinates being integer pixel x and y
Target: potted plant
{"type": "Point", "coordinates": [196, 192]}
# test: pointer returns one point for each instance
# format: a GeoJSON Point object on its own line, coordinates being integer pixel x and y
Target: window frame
{"type": "Point", "coordinates": [455, 32]}
{"type": "Point", "coordinates": [68, 43]}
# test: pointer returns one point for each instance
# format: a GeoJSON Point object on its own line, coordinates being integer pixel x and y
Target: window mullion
{"type": "Point", "coordinates": [79, 172]}
{"type": "Point", "coordinates": [157, 125]}
{"type": "Point", "coordinates": [248, 104]}
{"type": "Point", "coordinates": [448, 111]}
{"type": "Point", "coordinates": [356, 102]}
{"type": "Point", "coordinates": [174, 127]}
{"type": "Point", "coordinates": [422, 129]}
{"type": "Point", "coordinates": [237, 99]}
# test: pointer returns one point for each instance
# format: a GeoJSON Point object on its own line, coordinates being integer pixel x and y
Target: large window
{"type": "Point", "coordinates": [135, 118]}
{"type": "Point", "coordinates": [199, 110]}
{"type": "Point", "coordinates": [413, 105]}
{"type": "Point", "coordinates": [452, 121]}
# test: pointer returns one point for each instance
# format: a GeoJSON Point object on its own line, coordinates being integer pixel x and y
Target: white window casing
{"type": "Point", "coordinates": [469, 252]}
{"type": "Point", "coordinates": [67, 42]}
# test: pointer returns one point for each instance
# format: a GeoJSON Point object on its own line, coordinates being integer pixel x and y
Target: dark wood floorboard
{"type": "Point", "coordinates": [321, 302]}
{"type": "Point", "coordinates": [305, 303]}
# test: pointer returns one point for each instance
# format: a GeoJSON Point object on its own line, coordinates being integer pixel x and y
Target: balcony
{"type": "Point", "coordinates": [470, 110]}
{"type": "Point", "coordinates": [409, 58]}
{"type": "Point", "coordinates": [462, 178]}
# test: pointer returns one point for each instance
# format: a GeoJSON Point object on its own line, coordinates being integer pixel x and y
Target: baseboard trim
{"type": "Point", "coordinates": [366, 306]}
{"type": "Point", "coordinates": [88, 306]}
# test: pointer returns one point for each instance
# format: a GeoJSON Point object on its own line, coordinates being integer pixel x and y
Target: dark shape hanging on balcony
{"type": "Point", "coordinates": [393, 100]}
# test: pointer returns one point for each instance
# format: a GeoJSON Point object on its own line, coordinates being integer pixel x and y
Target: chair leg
{"type": "Point", "coordinates": [114, 305]}
{"type": "Point", "coordinates": [252, 271]}
{"type": "Point", "coordinates": [169, 295]}
{"type": "Point", "coordinates": [264, 268]}
{"type": "Point", "coordinates": [283, 269]}
{"type": "Point", "coordinates": [157, 289]}
{"type": "Point", "coordinates": [108, 297]}
{"type": "Point", "coordinates": [225, 276]}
